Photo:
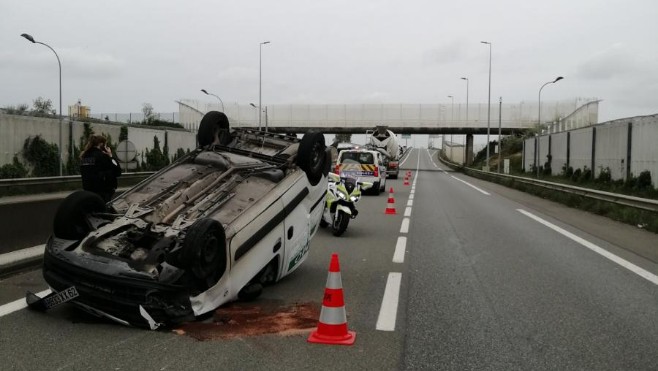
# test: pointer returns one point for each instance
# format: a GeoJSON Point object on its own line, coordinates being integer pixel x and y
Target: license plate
{"type": "Point", "coordinates": [61, 297]}
{"type": "Point", "coordinates": [356, 174]}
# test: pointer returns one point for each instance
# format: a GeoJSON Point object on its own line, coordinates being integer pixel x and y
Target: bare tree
{"type": "Point", "coordinates": [42, 105]}
{"type": "Point", "coordinates": [147, 110]}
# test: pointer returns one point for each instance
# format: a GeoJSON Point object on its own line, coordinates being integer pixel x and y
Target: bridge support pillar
{"type": "Point", "coordinates": [469, 149]}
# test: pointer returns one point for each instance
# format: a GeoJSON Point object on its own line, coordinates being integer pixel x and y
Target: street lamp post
{"type": "Point", "coordinates": [260, 111]}
{"type": "Point", "coordinates": [489, 104]}
{"type": "Point", "coordinates": [466, 79]}
{"type": "Point", "coordinates": [452, 118]}
{"type": "Point", "coordinates": [500, 120]}
{"type": "Point", "coordinates": [216, 96]}
{"type": "Point", "coordinates": [539, 121]}
{"type": "Point", "coordinates": [260, 81]}
{"type": "Point", "coordinates": [31, 39]}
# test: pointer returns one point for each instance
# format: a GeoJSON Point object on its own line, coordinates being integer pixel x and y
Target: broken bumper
{"type": "Point", "coordinates": [115, 296]}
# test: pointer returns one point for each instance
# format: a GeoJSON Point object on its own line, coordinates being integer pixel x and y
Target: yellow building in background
{"type": "Point", "coordinates": [79, 111]}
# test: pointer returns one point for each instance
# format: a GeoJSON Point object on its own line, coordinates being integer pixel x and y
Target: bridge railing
{"type": "Point", "coordinates": [518, 115]}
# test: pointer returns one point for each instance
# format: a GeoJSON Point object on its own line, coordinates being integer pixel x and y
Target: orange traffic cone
{"type": "Point", "coordinates": [332, 327]}
{"type": "Point", "coordinates": [406, 181]}
{"type": "Point", "coordinates": [390, 204]}
{"type": "Point", "coordinates": [408, 173]}
{"type": "Point", "coordinates": [391, 199]}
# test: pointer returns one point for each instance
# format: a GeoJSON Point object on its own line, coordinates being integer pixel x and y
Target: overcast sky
{"type": "Point", "coordinates": [118, 54]}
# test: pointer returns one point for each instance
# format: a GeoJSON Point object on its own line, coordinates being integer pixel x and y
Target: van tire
{"type": "Point", "coordinates": [311, 157]}
{"type": "Point", "coordinates": [70, 219]}
{"type": "Point", "coordinates": [204, 251]}
{"type": "Point", "coordinates": [214, 124]}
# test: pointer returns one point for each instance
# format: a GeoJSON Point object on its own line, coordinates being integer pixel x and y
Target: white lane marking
{"type": "Point", "coordinates": [407, 211]}
{"type": "Point", "coordinates": [389, 309]}
{"type": "Point", "coordinates": [431, 159]}
{"type": "Point", "coordinates": [19, 304]}
{"type": "Point", "coordinates": [400, 247]}
{"type": "Point", "coordinates": [405, 226]}
{"type": "Point", "coordinates": [412, 192]}
{"type": "Point", "coordinates": [405, 159]}
{"type": "Point", "coordinates": [435, 165]}
{"type": "Point", "coordinates": [410, 203]}
{"type": "Point", "coordinates": [471, 185]}
{"type": "Point", "coordinates": [23, 254]}
{"type": "Point", "coordinates": [624, 263]}
{"type": "Point", "coordinates": [411, 196]}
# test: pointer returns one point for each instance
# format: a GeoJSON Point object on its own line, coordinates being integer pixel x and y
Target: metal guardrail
{"type": "Point", "coordinates": [615, 198]}
{"type": "Point", "coordinates": [45, 184]}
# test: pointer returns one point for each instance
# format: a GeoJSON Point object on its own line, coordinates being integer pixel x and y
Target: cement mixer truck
{"type": "Point", "coordinates": [385, 142]}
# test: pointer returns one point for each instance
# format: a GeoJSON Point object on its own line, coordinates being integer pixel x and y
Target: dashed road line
{"type": "Point", "coordinates": [400, 247]}
{"type": "Point", "coordinates": [410, 203]}
{"type": "Point", "coordinates": [405, 226]}
{"type": "Point", "coordinates": [407, 211]}
{"type": "Point", "coordinates": [389, 309]}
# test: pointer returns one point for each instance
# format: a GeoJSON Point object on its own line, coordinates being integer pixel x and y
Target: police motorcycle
{"type": "Point", "coordinates": [342, 194]}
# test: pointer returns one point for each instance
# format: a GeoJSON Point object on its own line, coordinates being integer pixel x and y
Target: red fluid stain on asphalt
{"type": "Point", "coordinates": [252, 319]}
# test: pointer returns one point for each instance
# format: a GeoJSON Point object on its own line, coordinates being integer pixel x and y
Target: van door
{"type": "Point", "coordinates": [297, 226]}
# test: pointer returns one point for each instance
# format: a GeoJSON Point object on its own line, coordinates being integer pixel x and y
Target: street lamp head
{"type": "Point", "coordinates": [265, 42]}
{"type": "Point", "coordinates": [253, 105]}
{"type": "Point", "coordinates": [558, 78]}
{"type": "Point", "coordinates": [450, 96]}
{"type": "Point", "coordinates": [485, 42]}
{"type": "Point", "coordinates": [204, 91]}
{"type": "Point", "coordinates": [28, 37]}
{"type": "Point", "coordinates": [465, 78]}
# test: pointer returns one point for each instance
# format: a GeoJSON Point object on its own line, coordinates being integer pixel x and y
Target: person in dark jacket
{"type": "Point", "coordinates": [99, 169]}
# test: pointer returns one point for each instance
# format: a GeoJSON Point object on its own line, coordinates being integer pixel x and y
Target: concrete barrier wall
{"type": "Point", "coordinates": [558, 152]}
{"type": "Point", "coordinates": [15, 129]}
{"type": "Point", "coordinates": [581, 149]}
{"type": "Point", "coordinates": [644, 148]}
{"type": "Point", "coordinates": [544, 147]}
{"type": "Point", "coordinates": [611, 150]}
{"type": "Point", "coordinates": [529, 154]}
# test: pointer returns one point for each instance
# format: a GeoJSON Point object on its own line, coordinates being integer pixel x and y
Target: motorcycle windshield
{"type": "Point", "coordinates": [350, 184]}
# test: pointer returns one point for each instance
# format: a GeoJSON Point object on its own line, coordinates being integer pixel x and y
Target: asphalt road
{"type": "Point", "coordinates": [483, 286]}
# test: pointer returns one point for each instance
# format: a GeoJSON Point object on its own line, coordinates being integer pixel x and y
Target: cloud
{"type": "Point", "coordinates": [84, 64]}
{"type": "Point", "coordinates": [608, 64]}
{"type": "Point", "coordinates": [445, 54]}
{"type": "Point", "coordinates": [240, 74]}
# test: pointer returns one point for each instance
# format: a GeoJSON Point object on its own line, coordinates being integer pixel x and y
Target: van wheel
{"type": "Point", "coordinates": [204, 251]}
{"type": "Point", "coordinates": [71, 217]}
{"type": "Point", "coordinates": [214, 126]}
{"type": "Point", "coordinates": [311, 156]}
{"type": "Point", "coordinates": [376, 189]}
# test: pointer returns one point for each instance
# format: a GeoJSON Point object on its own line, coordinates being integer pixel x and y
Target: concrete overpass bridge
{"type": "Point", "coordinates": [400, 118]}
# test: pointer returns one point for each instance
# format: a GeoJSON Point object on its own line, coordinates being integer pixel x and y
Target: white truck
{"type": "Point", "coordinates": [385, 141]}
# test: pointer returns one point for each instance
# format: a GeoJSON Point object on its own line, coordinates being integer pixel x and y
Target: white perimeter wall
{"type": "Point", "coordinates": [581, 149]}
{"type": "Point", "coordinates": [611, 144]}
{"type": "Point", "coordinates": [610, 151]}
{"type": "Point", "coordinates": [559, 152]}
{"type": "Point", "coordinates": [15, 129]}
